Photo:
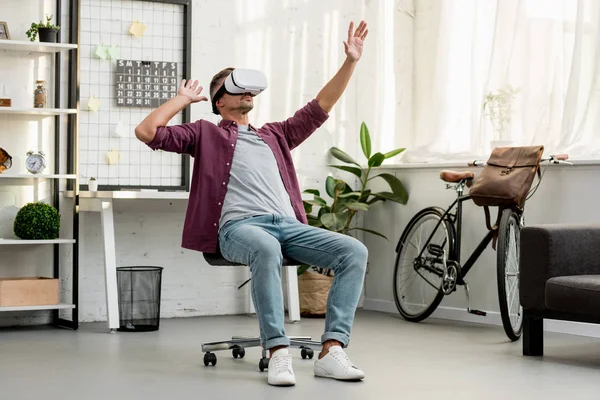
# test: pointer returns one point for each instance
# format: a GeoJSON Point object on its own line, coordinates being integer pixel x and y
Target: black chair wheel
{"type": "Point", "coordinates": [238, 352]}
{"type": "Point", "coordinates": [263, 364]}
{"type": "Point", "coordinates": [307, 353]}
{"type": "Point", "coordinates": [210, 358]}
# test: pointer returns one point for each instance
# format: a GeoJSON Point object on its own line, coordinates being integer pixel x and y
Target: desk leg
{"type": "Point", "coordinates": [248, 287]}
{"type": "Point", "coordinates": [292, 293]}
{"type": "Point", "coordinates": [110, 265]}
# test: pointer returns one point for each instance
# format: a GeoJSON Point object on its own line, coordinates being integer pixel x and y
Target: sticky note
{"type": "Point", "coordinates": [120, 130]}
{"type": "Point", "coordinates": [137, 28]}
{"type": "Point", "coordinates": [112, 157]}
{"type": "Point", "coordinates": [114, 51]}
{"type": "Point", "coordinates": [102, 51]}
{"type": "Point", "coordinates": [93, 104]}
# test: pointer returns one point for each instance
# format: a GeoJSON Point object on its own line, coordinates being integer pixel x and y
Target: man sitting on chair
{"type": "Point", "coordinates": [245, 201]}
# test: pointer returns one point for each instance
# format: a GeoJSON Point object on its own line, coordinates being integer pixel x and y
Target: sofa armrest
{"type": "Point", "coordinates": [547, 251]}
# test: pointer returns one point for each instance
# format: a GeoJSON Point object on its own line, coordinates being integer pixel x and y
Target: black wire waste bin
{"type": "Point", "coordinates": [139, 298]}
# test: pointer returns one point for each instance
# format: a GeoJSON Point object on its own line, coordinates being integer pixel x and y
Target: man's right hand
{"type": "Point", "coordinates": [188, 93]}
{"type": "Point", "coordinates": [191, 90]}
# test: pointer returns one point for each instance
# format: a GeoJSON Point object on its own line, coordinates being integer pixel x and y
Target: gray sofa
{"type": "Point", "coordinates": [560, 278]}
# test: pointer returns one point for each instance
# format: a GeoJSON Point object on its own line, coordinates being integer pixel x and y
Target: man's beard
{"type": "Point", "coordinates": [245, 107]}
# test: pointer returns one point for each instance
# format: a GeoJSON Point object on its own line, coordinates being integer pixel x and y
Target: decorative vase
{"type": "Point", "coordinates": [93, 185]}
{"type": "Point", "coordinates": [40, 94]}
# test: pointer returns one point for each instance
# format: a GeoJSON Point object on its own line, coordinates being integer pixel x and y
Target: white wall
{"type": "Point", "coordinates": [298, 43]}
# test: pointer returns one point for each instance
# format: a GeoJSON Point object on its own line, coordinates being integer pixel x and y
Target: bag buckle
{"type": "Point", "coordinates": [506, 171]}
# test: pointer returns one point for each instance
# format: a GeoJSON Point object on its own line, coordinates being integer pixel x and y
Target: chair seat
{"type": "Point", "coordinates": [218, 259]}
{"type": "Point", "coordinates": [574, 294]}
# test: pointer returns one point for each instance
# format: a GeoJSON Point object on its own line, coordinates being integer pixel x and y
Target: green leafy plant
{"type": "Point", "coordinates": [498, 105]}
{"type": "Point", "coordinates": [33, 30]}
{"type": "Point", "coordinates": [36, 221]}
{"type": "Point", "coordinates": [346, 202]}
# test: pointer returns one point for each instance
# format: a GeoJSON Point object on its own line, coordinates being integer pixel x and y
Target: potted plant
{"type": "Point", "coordinates": [37, 221]}
{"type": "Point", "coordinates": [47, 31]}
{"type": "Point", "coordinates": [337, 215]}
{"type": "Point", "coordinates": [499, 108]}
{"type": "Point", "coordinates": [92, 184]}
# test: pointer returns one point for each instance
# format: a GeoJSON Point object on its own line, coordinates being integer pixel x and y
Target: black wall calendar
{"type": "Point", "coordinates": [145, 83]}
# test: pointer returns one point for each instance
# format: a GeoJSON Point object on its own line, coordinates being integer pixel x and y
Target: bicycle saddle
{"type": "Point", "coordinates": [455, 176]}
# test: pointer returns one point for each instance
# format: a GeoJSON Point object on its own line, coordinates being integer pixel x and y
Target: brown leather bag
{"type": "Point", "coordinates": [506, 178]}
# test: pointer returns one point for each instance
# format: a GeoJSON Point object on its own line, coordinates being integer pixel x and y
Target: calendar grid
{"type": "Point", "coordinates": [159, 54]}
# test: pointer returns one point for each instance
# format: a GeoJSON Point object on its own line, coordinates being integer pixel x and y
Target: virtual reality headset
{"type": "Point", "coordinates": [241, 81]}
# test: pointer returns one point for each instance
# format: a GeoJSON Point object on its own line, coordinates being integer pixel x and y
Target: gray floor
{"type": "Point", "coordinates": [431, 360]}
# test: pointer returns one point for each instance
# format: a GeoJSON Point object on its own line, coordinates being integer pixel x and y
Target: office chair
{"type": "Point", "coordinates": [238, 344]}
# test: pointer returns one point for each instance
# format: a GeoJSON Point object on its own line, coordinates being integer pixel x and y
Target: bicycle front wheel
{"type": "Point", "coordinates": [418, 274]}
{"type": "Point", "coordinates": [509, 233]}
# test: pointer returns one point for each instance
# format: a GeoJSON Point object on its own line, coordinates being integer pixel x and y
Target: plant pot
{"type": "Point", "coordinates": [313, 290]}
{"type": "Point", "coordinates": [93, 186]}
{"type": "Point", "coordinates": [47, 35]}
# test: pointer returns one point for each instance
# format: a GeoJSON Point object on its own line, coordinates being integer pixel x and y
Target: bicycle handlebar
{"type": "Point", "coordinates": [561, 157]}
{"type": "Point", "coordinates": [554, 158]}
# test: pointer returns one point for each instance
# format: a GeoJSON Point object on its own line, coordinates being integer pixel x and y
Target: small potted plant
{"type": "Point", "coordinates": [48, 32]}
{"type": "Point", "coordinates": [93, 185]}
{"type": "Point", "coordinates": [37, 221]}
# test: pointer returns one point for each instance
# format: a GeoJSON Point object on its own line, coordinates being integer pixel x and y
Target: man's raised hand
{"type": "Point", "coordinates": [354, 45]}
{"type": "Point", "coordinates": [191, 90]}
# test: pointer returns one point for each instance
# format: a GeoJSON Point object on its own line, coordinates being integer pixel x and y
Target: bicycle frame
{"type": "Point", "coordinates": [455, 248]}
{"type": "Point", "coordinates": [456, 221]}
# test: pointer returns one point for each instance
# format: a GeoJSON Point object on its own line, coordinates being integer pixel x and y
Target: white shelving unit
{"type": "Point", "coordinates": [37, 111]}
{"type": "Point", "coordinates": [38, 308]}
{"type": "Point", "coordinates": [54, 52]}
{"type": "Point", "coordinates": [35, 242]}
{"type": "Point", "coordinates": [38, 176]}
{"type": "Point", "coordinates": [34, 47]}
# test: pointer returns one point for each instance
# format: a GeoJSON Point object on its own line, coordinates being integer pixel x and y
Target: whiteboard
{"type": "Point", "coordinates": [108, 148]}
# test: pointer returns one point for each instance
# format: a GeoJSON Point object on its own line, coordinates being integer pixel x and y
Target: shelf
{"type": "Point", "coordinates": [29, 242]}
{"type": "Point", "coordinates": [37, 47]}
{"type": "Point", "coordinates": [37, 111]}
{"type": "Point", "coordinates": [131, 194]}
{"type": "Point", "coordinates": [39, 176]}
{"type": "Point", "coordinates": [34, 308]}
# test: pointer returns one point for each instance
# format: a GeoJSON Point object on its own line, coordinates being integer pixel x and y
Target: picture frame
{"type": "Point", "coordinates": [4, 33]}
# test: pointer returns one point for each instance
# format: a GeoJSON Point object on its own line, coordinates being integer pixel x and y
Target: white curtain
{"type": "Point", "coordinates": [536, 62]}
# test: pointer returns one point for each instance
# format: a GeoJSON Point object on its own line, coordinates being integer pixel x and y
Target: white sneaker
{"type": "Point", "coordinates": [280, 369]}
{"type": "Point", "coordinates": [337, 365]}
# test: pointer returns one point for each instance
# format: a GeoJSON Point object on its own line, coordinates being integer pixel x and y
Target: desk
{"type": "Point", "coordinates": [102, 202]}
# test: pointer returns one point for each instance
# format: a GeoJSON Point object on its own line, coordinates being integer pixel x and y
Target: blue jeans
{"type": "Point", "coordinates": [261, 242]}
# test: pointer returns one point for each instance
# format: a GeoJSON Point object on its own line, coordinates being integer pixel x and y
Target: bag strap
{"type": "Point", "coordinates": [494, 228]}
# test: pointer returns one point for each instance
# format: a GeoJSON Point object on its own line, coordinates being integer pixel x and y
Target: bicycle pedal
{"type": "Point", "coordinates": [478, 312]}
{"type": "Point", "coordinates": [435, 249]}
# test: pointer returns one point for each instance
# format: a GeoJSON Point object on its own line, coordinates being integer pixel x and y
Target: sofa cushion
{"type": "Point", "coordinates": [574, 294]}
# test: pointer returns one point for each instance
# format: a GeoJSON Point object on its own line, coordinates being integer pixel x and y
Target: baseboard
{"type": "Point", "coordinates": [492, 318]}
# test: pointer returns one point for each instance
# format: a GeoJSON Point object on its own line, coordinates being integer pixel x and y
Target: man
{"type": "Point", "coordinates": [245, 201]}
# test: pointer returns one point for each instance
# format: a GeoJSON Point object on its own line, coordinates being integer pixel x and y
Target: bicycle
{"type": "Point", "coordinates": [437, 261]}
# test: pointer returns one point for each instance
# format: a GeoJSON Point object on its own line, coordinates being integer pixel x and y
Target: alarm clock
{"type": "Point", "coordinates": [35, 162]}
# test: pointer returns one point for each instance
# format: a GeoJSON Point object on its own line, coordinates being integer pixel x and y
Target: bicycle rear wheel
{"type": "Point", "coordinates": [418, 280]}
{"type": "Point", "coordinates": [509, 233]}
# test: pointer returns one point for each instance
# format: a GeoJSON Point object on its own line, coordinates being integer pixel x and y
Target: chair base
{"type": "Point", "coordinates": [238, 344]}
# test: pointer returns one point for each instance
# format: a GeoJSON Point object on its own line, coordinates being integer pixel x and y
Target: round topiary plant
{"type": "Point", "coordinates": [36, 221]}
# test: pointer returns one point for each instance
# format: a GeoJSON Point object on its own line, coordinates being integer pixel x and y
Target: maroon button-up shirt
{"type": "Point", "coordinates": [212, 147]}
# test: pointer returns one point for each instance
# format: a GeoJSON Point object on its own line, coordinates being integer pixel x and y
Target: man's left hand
{"type": "Point", "coordinates": [354, 46]}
